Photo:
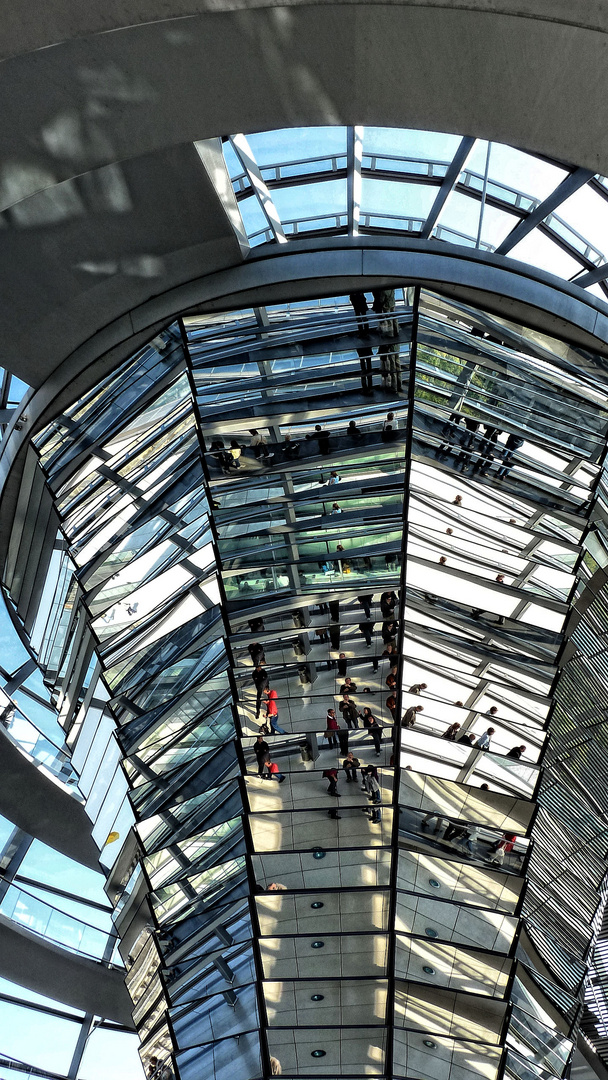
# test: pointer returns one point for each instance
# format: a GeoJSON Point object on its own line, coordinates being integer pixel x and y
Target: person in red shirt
{"type": "Point", "coordinates": [331, 775]}
{"type": "Point", "coordinates": [331, 727]}
{"type": "Point", "coordinates": [272, 771]}
{"type": "Point", "coordinates": [272, 711]}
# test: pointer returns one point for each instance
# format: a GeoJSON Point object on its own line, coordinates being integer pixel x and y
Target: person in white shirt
{"type": "Point", "coordinates": [469, 840]}
{"type": "Point", "coordinates": [258, 444]}
{"type": "Point", "coordinates": [483, 742]}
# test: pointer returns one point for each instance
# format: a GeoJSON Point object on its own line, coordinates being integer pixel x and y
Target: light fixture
{"type": "Point", "coordinates": [317, 944]}
{"type": "Point", "coordinates": [317, 904]}
{"type": "Point", "coordinates": [317, 997]}
{"type": "Point", "coordinates": [434, 883]}
{"type": "Point", "coordinates": [430, 932]}
{"type": "Point", "coordinates": [318, 1053]}
{"type": "Point", "coordinates": [429, 1042]}
{"type": "Point", "coordinates": [428, 969]}
{"type": "Point", "coordinates": [318, 853]}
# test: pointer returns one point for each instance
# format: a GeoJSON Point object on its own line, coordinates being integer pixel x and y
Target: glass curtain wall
{"type": "Point", "coordinates": [324, 557]}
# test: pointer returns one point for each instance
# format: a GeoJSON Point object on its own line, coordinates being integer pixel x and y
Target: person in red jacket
{"type": "Point", "coordinates": [331, 727]}
{"type": "Point", "coordinates": [272, 711]}
{"type": "Point", "coordinates": [331, 775]}
{"type": "Point", "coordinates": [272, 771]}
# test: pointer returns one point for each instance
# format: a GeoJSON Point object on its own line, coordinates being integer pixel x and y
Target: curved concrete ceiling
{"type": "Point", "coordinates": [110, 205]}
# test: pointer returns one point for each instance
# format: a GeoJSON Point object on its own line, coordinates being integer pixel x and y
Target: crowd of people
{"type": "Point", "coordinates": [478, 449]}
{"type": "Point", "coordinates": [228, 454]}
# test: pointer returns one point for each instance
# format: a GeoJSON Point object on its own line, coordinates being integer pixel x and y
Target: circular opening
{"type": "Point", "coordinates": [317, 997]}
{"type": "Point", "coordinates": [430, 932]}
{"type": "Point", "coordinates": [318, 1053]}
{"type": "Point", "coordinates": [317, 944]}
{"type": "Point", "coordinates": [428, 969]}
{"type": "Point", "coordinates": [316, 905]}
{"type": "Point", "coordinates": [318, 853]}
{"type": "Point", "coordinates": [431, 1045]}
{"type": "Point", "coordinates": [434, 883]}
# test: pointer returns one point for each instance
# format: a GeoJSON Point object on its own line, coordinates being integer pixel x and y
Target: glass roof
{"type": "Point", "coordinates": [487, 191]}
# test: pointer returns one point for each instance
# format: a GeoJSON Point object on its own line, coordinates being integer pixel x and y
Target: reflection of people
{"type": "Point", "coordinates": [349, 711]}
{"type": "Point", "coordinates": [331, 775]}
{"type": "Point", "coordinates": [289, 448]}
{"type": "Point", "coordinates": [450, 733]}
{"type": "Point", "coordinates": [259, 676]}
{"type": "Point", "coordinates": [375, 796]}
{"type": "Point", "coordinates": [322, 438]}
{"type": "Point", "coordinates": [469, 837]}
{"type": "Point", "coordinates": [483, 742]}
{"type": "Point", "coordinates": [417, 688]}
{"type": "Point", "coordinates": [159, 1070]}
{"type": "Point", "coordinates": [388, 601]}
{"type": "Point", "coordinates": [516, 752]}
{"type": "Point", "coordinates": [256, 652]}
{"type": "Point", "coordinates": [272, 772]}
{"type": "Point", "coordinates": [276, 887]}
{"type": "Point", "coordinates": [258, 444]}
{"type": "Point", "coordinates": [331, 727]}
{"type": "Point", "coordinates": [409, 716]}
{"type": "Point", "coordinates": [272, 711]}
{"type": "Point", "coordinates": [360, 308]}
{"type": "Point", "coordinates": [375, 731]}
{"type": "Point", "coordinates": [503, 847]}
{"type": "Point", "coordinates": [350, 766]}
{"type": "Point", "coordinates": [260, 749]}
{"type": "Point", "coordinates": [391, 678]}
{"type": "Point", "coordinates": [275, 1067]}
{"type": "Point", "coordinates": [429, 817]}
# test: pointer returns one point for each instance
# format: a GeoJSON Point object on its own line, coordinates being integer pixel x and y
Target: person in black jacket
{"type": "Point", "coordinates": [366, 603]}
{"type": "Point", "coordinates": [256, 652]}
{"type": "Point", "coordinates": [512, 444]}
{"type": "Point", "coordinates": [260, 680]}
{"type": "Point", "coordinates": [261, 751]}
{"type": "Point", "coordinates": [349, 711]}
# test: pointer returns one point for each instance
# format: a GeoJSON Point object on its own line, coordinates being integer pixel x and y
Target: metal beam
{"type": "Point", "coordinates": [600, 273]}
{"type": "Point", "coordinates": [245, 155]}
{"type": "Point", "coordinates": [572, 183]}
{"type": "Point", "coordinates": [449, 183]}
{"type": "Point", "coordinates": [354, 156]}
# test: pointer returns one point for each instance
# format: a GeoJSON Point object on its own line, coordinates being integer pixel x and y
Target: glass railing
{"type": "Point", "coordinates": [43, 752]}
{"type": "Point", "coordinates": [48, 922]}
